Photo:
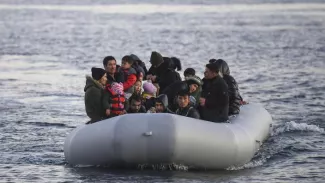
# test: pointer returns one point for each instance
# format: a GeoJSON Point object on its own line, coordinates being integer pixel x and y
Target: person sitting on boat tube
{"type": "Point", "coordinates": [93, 95]}
{"type": "Point", "coordinates": [135, 104]}
{"type": "Point", "coordinates": [117, 103]}
{"type": "Point", "coordinates": [161, 105]}
{"type": "Point", "coordinates": [214, 101]}
{"type": "Point", "coordinates": [185, 108]}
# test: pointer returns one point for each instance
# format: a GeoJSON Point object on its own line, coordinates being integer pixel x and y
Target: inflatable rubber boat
{"type": "Point", "coordinates": [170, 139]}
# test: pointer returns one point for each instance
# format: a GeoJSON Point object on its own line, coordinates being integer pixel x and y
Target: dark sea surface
{"type": "Point", "coordinates": [275, 50]}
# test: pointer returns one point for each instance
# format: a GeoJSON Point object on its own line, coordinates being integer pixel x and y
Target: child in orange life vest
{"type": "Point", "coordinates": [130, 75]}
{"type": "Point", "coordinates": [116, 99]}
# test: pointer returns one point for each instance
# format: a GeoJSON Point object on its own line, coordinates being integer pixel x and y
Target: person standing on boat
{"type": "Point", "coordinates": [136, 106]}
{"type": "Point", "coordinates": [185, 108]}
{"type": "Point", "coordinates": [214, 101]}
{"type": "Point", "coordinates": [235, 99]}
{"type": "Point", "coordinates": [94, 90]}
{"type": "Point", "coordinates": [161, 105]}
{"type": "Point", "coordinates": [110, 66]}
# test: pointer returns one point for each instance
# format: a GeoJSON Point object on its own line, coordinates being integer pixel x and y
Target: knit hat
{"type": "Point", "coordinates": [97, 73]}
{"type": "Point", "coordinates": [149, 88]}
{"type": "Point", "coordinates": [156, 59]}
{"type": "Point", "coordinates": [194, 80]}
{"type": "Point", "coordinates": [117, 88]}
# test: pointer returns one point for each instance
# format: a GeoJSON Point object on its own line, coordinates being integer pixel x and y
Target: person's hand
{"type": "Point", "coordinates": [123, 112]}
{"type": "Point", "coordinates": [202, 101]}
{"type": "Point", "coordinates": [152, 110]}
{"type": "Point", "coordinates": [243, 102]}
{"type": "Point", "coordinates": [108, 112]}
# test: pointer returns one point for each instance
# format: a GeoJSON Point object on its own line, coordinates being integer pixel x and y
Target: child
{"type": "Point", "coordinates": [116, 99]}
{"type": "Point", "coordinates": [148, 95]}
{"type": "Point", "coordinates": [138, 87]}
{"type": "Point", "coordinates": [130, 76]}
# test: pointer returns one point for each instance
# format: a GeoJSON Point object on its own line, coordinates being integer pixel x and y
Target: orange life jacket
{"type": "Point", "coordinates": [116, 102]}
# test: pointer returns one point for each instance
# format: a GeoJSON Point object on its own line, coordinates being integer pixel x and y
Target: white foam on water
{"type": "Point", "coordinates": [293, 126]}
{"type": "Point", "coordinates": [156, 8]}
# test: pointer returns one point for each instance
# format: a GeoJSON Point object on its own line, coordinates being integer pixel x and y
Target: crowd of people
{"type": "Point", "coordinates": [130, 88]}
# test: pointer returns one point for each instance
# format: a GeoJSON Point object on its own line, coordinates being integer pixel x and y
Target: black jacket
{"type": "Point", "coordinates": [234, 96]}
{"type": "Point", "coordinates": [166, 74]}
{"type": "Point", "coordinates": [118, 77]}
{"type": "Point", "coordinates": [188, 112]}
{"type": "Point", "coordinates": [216, 107]}
{"type": "Point", "coordinates": [172, 90]}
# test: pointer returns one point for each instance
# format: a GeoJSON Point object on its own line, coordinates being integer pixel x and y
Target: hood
{"type": "Point", "coordinates": [172, 63]}
{"type": "Point", "coordinates": [194, 80]}
{"type": "Point", "coordinates": [163, 99]}
{"type": "Point", "coordinates": [156, 59]}
{"type": "Point", "coordinates": [223, 67]}
{"type": "Point", "coordinates": [90, 82]}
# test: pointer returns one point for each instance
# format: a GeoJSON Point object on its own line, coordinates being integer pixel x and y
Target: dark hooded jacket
{"type": "Point", "coordinates": [216, 107]}
{"type": "Point", "coordinates": [94, 102]}
{"type": "Point", "coordinates": [164, 100]}
{"type": "Point", "coordinates": [166, 74]}
{"type": "Point", "coordinates": [172, 90]}
{"type": "Point", "coordinates": [234, 96]}
{"type": "Point", "coordinates": [188, 111]}
{"type": "Point", "coordinates": [164, 69]}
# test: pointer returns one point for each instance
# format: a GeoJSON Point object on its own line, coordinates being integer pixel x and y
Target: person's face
{"type": "Point", "coordinates": [125, 65]}
{"type": "Point", "coordinates": [103, 80]}
{"type": "Point", "coordinates": [193, 88]}
{"type": "Point", "coordinates": [183, 101]}
{"type": "Point", "coordinates": [208, 74]}
{"type": "Point", "coordinates": [111, 67]}
{"type": "Point", "coordinates": [137, 87]}
{"type": "Point", "coordinates": [135, 105]}
{"type": "Point", "coordinates": [159, 107]}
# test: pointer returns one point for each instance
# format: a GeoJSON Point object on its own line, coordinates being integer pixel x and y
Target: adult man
{"type": "Point", "coordinates": [161, 105]}
{"type": "Point", "coordinates": [214, 101]}
{"type": "Point", "coordinates": [185, 109]}
{"type": "Point", "coordinates": [136, 105]}
{"type": "Point", "coordinates": [109, 64]}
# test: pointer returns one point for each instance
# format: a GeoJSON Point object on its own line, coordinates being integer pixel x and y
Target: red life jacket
{"type": "Point", "coordinates": [116, 101]}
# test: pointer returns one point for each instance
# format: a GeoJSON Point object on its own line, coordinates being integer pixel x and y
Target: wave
{"type": "Point", "coordinates": [293, 126]}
